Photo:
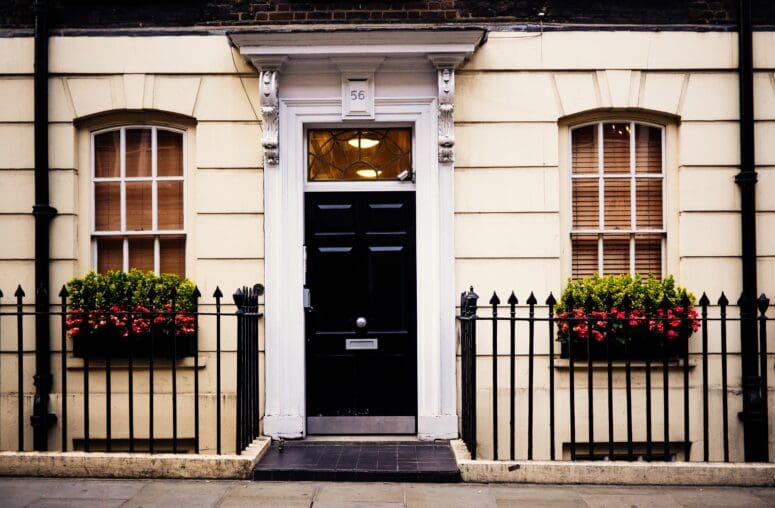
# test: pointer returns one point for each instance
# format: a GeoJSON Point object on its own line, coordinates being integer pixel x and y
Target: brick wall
{"type": "Point", "coordinates": [165, 13]}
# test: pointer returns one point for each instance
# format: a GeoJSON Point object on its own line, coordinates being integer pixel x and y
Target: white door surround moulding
{"type": "Point", "coordinates": [358, 41]}
{"type": "Point", "coordinates": [284, 121]}
{"type": "Point", "coordinates": [284, 319]}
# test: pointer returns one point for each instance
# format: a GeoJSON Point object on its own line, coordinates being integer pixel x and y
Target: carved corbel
{"type": "Point", "coordinates": [270, 117]}
{"type": "Point", "coordinates": [446, 77]}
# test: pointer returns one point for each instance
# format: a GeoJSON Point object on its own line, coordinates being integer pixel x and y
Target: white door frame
{"type": "Point", "coordinates": [284, 237]}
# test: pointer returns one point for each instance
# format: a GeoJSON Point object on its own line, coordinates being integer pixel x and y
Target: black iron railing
{"type": "Point", "coordinates": [581, 355]}
{"type": "Point", "coordinates": [156, 358]}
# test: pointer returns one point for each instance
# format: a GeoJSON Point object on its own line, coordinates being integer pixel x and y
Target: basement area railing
{"type": "Point", "coordinates": [150, 383]}
{"type": "Point", "coordinates": [658, 384]}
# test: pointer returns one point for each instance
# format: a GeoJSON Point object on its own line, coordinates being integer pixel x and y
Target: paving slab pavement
{"type": "Point", "coordinates": [87, 493]}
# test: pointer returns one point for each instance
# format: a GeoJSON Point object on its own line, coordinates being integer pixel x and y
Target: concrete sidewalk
{"type": "Point", "coordinates": [35, 492]}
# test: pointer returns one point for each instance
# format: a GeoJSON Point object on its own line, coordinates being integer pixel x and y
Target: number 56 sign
{"type": "Point", "coordinates": [357, 96]}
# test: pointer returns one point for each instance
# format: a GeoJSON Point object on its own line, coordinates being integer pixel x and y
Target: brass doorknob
{"type": "Point", "coordinates": [361, 322]}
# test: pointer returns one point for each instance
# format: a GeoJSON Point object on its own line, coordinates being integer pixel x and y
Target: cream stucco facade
{"type": "Point", "coordinates": [511, 177]}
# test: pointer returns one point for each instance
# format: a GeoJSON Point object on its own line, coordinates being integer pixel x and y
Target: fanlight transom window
{"type": "Point", "coordinates": [359, 154]}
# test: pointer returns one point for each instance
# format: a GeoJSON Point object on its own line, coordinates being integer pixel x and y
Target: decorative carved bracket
{"type": "Point", "coordinates": [446, 78]}
{"type": "Point", "coordinates": [270, 114]}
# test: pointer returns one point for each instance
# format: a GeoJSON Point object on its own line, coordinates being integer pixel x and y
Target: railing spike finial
{"type": "Point", "coordinates": [217, 293]}
{"type": "Point", "coordinates": [531, 300]}
{"type": "Point", "coordinates": [1, 293]}
{"type": "Point", "coordinates": [495, 300]}
{"type": "Point", "coordinates": [239, 297]}
{"type": "Point", "coordinates": [743, 300]}
{"type": "Point", "coordinates": [151, 294]}
{"type": "Point", "coordinates": [63, 293]}
{"type": "Point", "coordinates": [664, 303]}
{"type": "Point", "coordinates": [19, 292]}
{"type": "Point", "coordinates": [686, 302]}
{"type": "Point", "coordinates": [570, 303]}
{"type": "Point", "coordinates": [196, 293]}
{"type": "Point", "coordinates": [589, 303]}
{"type": "Point", "coordinates": [551, 300]}
{"type": "Point", "coordinates": [762, 303]}
{"type": "Point", "coordinates": [258, 289]}
{"type": "Point", "coordinates": [648, 303]}
{"type": "Point", "coordinates": [626, 303]}
{"type": "Point", "coordinates": [609, 301]}
{"type": "Point", "coordinates": [468, 301]}
{"type": "Point", "coordinates": [723, 300]}
{"type": "Point", "coordinates": [704, 300]}
{"type": "Point", "coordinates": [513, 299]}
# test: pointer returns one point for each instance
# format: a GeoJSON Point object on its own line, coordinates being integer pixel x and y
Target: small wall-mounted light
{"type": "Point", "coordinates": [403, 175]}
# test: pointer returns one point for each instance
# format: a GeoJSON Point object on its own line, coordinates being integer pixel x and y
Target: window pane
{"type": "Point", "coordinates": [617, 203]}
{"type": "Point", "coordinates": [616, 147]}
{"type": "Point", "coordinates": [138, 206]}
{"type": "Point", "coordinates": [341, 154]}
{"type": "Point", "coordinates": [141, 254]}
{"type": "Point", "coordinates": [648, 255]}
{"type": "Point", "coordinates": [138, 152]}
{"type": "Point", "coordinates": [173, 255]}
{"type": "Point", "coordinates": [616, 254]}
{"type": "Point", "coordinates": [110, 254]}
{"type": "Point", "coordinates": [649, 203]}
{"type": "Point", "coordinates": [585, 204]}
{"type": "Point", "coordinates": [107, 206]}
{"type": "Point", "coordinates": [169, 153]}
{"type": "Point", "coordinates": [170, 196]}
{"type": "Point", "coordinates": [648, 149]}
{"type": "Point", "coordinates": [107, 150]}
{"type": "Point", "coordinates": [585, 149]}
{"type": "Point", "coordinates": [584, 256]}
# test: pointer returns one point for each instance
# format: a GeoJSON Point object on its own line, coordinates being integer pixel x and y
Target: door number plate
{"type": "Point", "coordinates": [352, 344]}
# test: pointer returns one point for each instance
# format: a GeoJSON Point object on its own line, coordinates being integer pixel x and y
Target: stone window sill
{"type": "Point", "coordinates": [564, 364]}
{"type": "Point", "coordinates": [139, 364]}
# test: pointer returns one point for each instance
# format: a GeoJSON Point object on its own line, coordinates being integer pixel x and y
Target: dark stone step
{"type": "Point", "coordinates": [402, 461]}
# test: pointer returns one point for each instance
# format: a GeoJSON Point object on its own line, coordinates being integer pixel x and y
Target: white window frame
{"type": "Point", "coordinates": [601, 175]}
{"type": "Point", "coordinates": [122, 179]}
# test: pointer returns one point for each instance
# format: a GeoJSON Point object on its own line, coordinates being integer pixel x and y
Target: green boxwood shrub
{"type": "Point", "coordinates": [601, 312]}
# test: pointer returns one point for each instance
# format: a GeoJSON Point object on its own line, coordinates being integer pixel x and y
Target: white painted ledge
{"type": "Point", "coordinates": [612, 473]}
{"type": "Point", "coordinates": [133, 465]}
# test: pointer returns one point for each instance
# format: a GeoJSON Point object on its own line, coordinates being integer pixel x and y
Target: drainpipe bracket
{"type": "Point", "coordinates": [746, 177]}
{"type": "Point", "coordinates": [44, 211]}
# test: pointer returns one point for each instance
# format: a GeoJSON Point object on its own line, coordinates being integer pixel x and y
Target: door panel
{"type": "Point", "coordinates": [361, 263]}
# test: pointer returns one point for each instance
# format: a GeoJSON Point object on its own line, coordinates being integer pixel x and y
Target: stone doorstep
{"type": "Point", "coordinates": [133, 465]}
{"type": "Point", "coordinates": [611, 473]}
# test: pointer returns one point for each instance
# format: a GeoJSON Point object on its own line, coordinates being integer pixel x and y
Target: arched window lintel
{"type": "Point", "coordinates": [648, 116]}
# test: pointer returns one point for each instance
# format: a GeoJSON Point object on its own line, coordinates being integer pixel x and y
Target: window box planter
{"type": "Point", "coordinates": [120, 315]}
{"type": "Point", "coordinates": [639, 350]}
{"type": "Point", "coordinates": [116, 346]}
{"type": "Point", "coordinates": [623, 316]}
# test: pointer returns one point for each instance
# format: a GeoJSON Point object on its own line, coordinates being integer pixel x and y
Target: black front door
{"type": "Point", "coordinates": [361, 372]}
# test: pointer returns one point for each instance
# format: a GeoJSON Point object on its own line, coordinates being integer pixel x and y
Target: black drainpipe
{"type": "Point", "coordinates": [43, 212]}
{"type": "Point", "coordinates": [755, 443]}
